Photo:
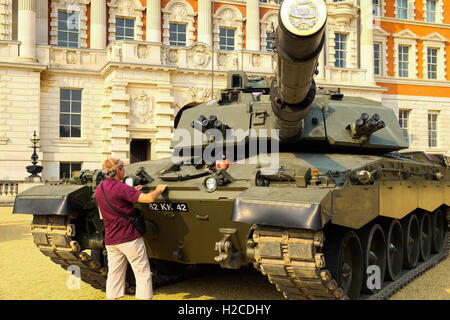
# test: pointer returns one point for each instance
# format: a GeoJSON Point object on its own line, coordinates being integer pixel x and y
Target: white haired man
{"type": "Point", "coordinates": [122, 240]}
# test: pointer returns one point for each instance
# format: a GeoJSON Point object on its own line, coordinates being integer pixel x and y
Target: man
{"type": "Point", "coordinates": [123, 242]}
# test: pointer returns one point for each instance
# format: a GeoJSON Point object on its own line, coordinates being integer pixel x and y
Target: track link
{"type": "Point", "coordinates": [292, 260]}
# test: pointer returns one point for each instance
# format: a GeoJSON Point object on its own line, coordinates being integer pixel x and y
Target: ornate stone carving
{"type": "Point", "coordinates": [268, 24]}
{"type": "Point", "coordinates": [199, 56]}
{"type": "Point", "coordinates": [72, 57]}
{"type": "Point", "coordinates": [199, 95]}
{"type": "Point", "coordinates": [222, 59]}
{"type": "Point", "coordinates": [142, 107]}
{"type": "Point", "coordinates": [256, 60]}
{"type": "Point", "coordinates": [142, 51]}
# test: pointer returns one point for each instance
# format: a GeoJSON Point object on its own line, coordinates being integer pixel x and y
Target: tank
{"type": "Point", "coordinates": [306, 185]}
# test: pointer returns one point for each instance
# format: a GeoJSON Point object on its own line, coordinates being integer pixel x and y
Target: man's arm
{"type": "Point", "coordinates": [152, 196]}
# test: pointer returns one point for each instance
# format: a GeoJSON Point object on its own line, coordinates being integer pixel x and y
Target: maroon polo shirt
{"type": "Point", "coordinates": [122, 197]}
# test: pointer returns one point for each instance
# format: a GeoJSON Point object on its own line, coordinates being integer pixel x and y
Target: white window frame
{"type": "Point", "coordinates": [131, 9]}
{"type": "Point", "coordinates": [179, 11]}
{"type": "Point", "coordinates": [436, 113]}
{"type": "Point", "coordinates": [381, 9]}
{"type": "Point", "coordinates": [401, 121]}
{"type": "Point", "coordinates": [177, 42]}
{"type": "Point", "coordinates": [381, 36]}
{"type": "Point", "coordinates": [71, 163]}
{"type": "Point", "coordinates": [68, 5]}
{"type": "Point", "coordinates": [346, 52]}
{"type": "Point", "coordinates": [70, 113]}
{"type": "Point", "coordinates": [406, 38]}
{"type": "Point", "coordinates": [403, 50]}
{"type": "Point", "coordinates": [69, 24]}
{"type": "Point", "coordinates": [437, 41]}
{"type": "Point", "coordinates": [125, 27]}
{"type": "Point", "coordinates": [439, 11]}
{"type": "Point", "coordinates": [228, 16]}
{"type": "Point", "coordinates": [410, 10]}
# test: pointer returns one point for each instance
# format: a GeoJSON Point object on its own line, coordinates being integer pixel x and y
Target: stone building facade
{"type": "Point", "coordinates": [98, 78]}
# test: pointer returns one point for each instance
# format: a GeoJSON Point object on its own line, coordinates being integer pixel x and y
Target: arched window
{"type": "Point", "coordinates": [228, 28]}
{"type": "Point", "coordinates": [178, 23]}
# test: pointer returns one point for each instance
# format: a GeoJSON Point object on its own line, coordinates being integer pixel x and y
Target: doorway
{"type": "Point", "coordinates": [140, 150]}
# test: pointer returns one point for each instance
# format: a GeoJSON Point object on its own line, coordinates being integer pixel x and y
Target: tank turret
{"type": "Point", "coordinates": [299, 40]}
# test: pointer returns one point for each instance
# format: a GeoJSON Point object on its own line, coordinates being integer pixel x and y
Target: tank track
{"type": "Point", "coordinates": [292, 260]}
{"type": "Point", "coordinates": [54, 236]}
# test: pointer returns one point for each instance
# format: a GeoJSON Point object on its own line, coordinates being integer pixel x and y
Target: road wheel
{"type": "Point", "coordinates": [373, 245]}
{"type": "Point", "coordinates": [343, 256]}
{"type": "Point", "coordinates": [394, 249]}
{"type": "Point", "coordinates": [438, 231]}
{"type": "Point", "coordinates": [425, 237]}
{"type": "Point", "coordinates": [411, 240]}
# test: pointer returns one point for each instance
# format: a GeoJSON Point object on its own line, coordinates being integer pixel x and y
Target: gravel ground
{"type": "Point", "coordinates": [26, 274]}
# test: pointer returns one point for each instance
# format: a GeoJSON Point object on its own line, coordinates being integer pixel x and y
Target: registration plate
{"type": "Point", "coordinates": [173, 206]}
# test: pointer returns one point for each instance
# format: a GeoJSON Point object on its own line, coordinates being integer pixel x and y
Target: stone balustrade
{"type": "Point", "coordinates": [8, 192]}
{"type": "Point", "coordinates": [9, 189]}
{"type": "Point", "coordinates": [345, 76]}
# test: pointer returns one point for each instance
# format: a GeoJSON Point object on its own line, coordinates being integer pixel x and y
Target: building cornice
{"type": "Point", "coordinates": [23, 66]}
{"type": "Point", "coordinates": [414, 82]}
{"type": "Point", "coordinates": [413, 23]}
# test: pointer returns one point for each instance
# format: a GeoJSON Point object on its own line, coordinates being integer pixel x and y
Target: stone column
{"type": "Point", "coordinates": [253, 41]}
{"type": "Point", "coordinates": [204, 22]}
{"type": "Point", "coordinates": [27, 30]}
{"type": "Point", "coordinates": [98, 24]}
{"type": "Point", "coordinates": [367, 40]}
{"type": "Point", "coordinates": [42, 22]}
{"type": "Point", "coordinates": [153, 21]}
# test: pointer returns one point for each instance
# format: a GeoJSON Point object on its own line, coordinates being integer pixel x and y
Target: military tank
{"type": "Point", "coordinates": [304, 184]}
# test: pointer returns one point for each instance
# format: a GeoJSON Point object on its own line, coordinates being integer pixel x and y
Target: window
{"type": "Point", "coordinates": [70, 113]}
{"type": "Point", "coordinates": [269, 41]}
{"type": "Point", "coordinates": [403, 120]}
{"type": "Point", "coordinates": [226, 37]}
{"type": "Point", "coordinates": [177, 34]}
{"type": "Point", "coordinates": [432, 63]}
{"type": "Point", "coordinates": [403, 61]}
{"type": "Point", "coordinates": [340, 43]}
{"type": "Point", "coordinates": [402, 9]}
{"type": "Point", "coordinates": [376, 8]}
{"type": "Point", "coordinates": [377, 58]}
{"type": "Point", "coordinates": [68, 29]}
{"type": "Point", "coordinates": [124, 29]}
{"type": "Point", "coordinates": [67, 169]}
{"type": "Point", "coordinates": [432, 129]}
{"type": "Point", "coordinates": [430, 11]}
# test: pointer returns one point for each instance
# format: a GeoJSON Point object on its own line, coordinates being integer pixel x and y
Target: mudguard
{"type": "Point", "coordinates": [284, 207]}
{"type": "Point", "coordinates": [52, 200]}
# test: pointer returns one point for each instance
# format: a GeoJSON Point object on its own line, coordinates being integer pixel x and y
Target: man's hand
{"type": "Point", "coordinates": [160, 188]}
{"type": "Point", "coordinates": [152, 196]}
{"type": "Point", "coordinates": [139, 187]}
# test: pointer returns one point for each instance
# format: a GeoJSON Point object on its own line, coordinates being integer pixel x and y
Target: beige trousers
{"type": "Point", "coordinates": [136, 253]}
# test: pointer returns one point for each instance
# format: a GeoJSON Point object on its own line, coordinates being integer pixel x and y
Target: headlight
{"type": "Point", "coordinates": [129, 181]}
{"type": "Point", "coordinates": [210, 184]}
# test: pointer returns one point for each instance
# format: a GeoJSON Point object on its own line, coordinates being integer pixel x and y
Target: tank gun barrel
{"type": "Point", "coordinates": [299, 39]}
